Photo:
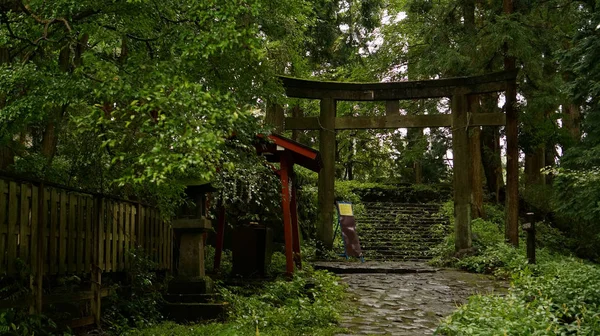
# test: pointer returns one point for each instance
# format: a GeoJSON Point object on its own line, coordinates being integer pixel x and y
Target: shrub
{"type": "Point", "coordinates": [560, 296]}
{"type": "Point", "coordinates": [19, 323]}
{"type": "Point", "coordinates": [309, 304]}
{"type": "Point", "coordinates": [226, 260]}
{"type": "Point", "coordinates": [138, 302]}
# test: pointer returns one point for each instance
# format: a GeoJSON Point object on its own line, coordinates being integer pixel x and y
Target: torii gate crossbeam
{"type": "Point", "coordinates": [458, 89]}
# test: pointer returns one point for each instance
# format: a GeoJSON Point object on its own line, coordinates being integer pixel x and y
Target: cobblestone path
{"type": "Point", "coordinates": [410, 303]}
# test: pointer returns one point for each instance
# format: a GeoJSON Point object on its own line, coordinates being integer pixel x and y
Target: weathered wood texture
{"type": "Point", "coordinates": [462, 179]}
{"type": "Point", "coordinates": [275, 117]}
{"type": "Point", "coordinates": [327, 175]}
{"type": "Point", "coordinates": [66, 224]}
{"type": "Point", "coordinates": [476, 169]}
{"type": "Point", "coordinates": [512, 145]}
{"type": "Point", "coordinates": [394, 121]}
{"type": "Point", "coordinates": [54, 231]}
{"type": "Point", "coordinates": [299, 88]}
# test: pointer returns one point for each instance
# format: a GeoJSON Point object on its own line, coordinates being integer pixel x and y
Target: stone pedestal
{"type": "Point", "coordinates": [191, 247]}
{"type": "Point", "coordinates": [189, 297]}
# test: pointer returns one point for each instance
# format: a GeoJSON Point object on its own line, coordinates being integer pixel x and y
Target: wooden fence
{"type": "Point", "coordinates": [55, 230]}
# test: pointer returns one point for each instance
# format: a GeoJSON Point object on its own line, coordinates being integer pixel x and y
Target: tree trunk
{"type": "Point", "coordinates": [52, 129]}
{"type": "Point", "coordinates": [491, 154]}
{"type": "Point", "coordinates": [550, 160]}
{"type": "Point", "coordinates": [512, 146]}
{"type": "Point", "coordinates": [418, 168]}
{"type": "Point", "coordinates": [7, 157]}
{"type": "Point", "coordinates": [414, 137]}
{"type": "Point", "coordinates": [296, 113]}
{"type": "Point", "coordinates": [350, 164]}
{"type": "Point", "coordinates": [475, 169]}
{"type": "Point", "coordinates": [7, 154]}
{"type": "Point", "coordinates": [534, 163]}
{"type": "Point", "coordinates": [572, 122]}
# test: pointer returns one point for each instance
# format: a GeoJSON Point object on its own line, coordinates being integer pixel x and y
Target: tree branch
{"type": "Point", "coordinates": [131, 36]}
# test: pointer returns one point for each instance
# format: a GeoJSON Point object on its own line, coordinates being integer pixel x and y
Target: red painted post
{"type": "Point", "coordinates": [295, 228]}
{"type": "Point", "coordinates": [287, 219]}
{"type": "Point", "coordinates": [220, 235]}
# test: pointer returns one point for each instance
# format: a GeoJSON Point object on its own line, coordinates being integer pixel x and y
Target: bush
{"type": "Point", "coordinates": [309, 304]}
{"type": "Point", "coordinates": [137, 302]}
{"type": "Point", "coordinates": [355, 191]}
{"type": "Point", "coordinates": [490, 254]}
{"type": "Point", "coordinates": [489, 251]}
{"type": "Point", "coordinates": [226, 260]}
{"type": "Point", "coordinates": [20, 323]}
{"type": "Point", "coordinates": [560, 296]}
{"type": "Point", "coordinates": [577, 208]}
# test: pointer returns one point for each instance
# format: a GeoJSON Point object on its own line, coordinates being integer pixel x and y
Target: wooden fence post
{"type": "Point", "coordinates": [40, 253]}
{"type": "Point", "coordinates": [97, 257]}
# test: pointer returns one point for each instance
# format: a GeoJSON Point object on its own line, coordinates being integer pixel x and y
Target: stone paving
{"type": "Point", "coordinates": [409, 303]}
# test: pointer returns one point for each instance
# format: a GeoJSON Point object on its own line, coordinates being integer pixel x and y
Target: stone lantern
{"type": "Point", "coordinates": [190, 295]}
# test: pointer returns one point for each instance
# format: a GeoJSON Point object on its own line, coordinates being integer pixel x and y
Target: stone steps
{"type": "Point", "coordinates": [399, 231]}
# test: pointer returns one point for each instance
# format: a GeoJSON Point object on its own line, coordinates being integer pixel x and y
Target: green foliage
{"type": "Point", "coordinates": [15, 322]}
{"type": "Point", "coordinates": [490, 253]}
{"type": "Point", "coordinates": [226, 260]}
{"type": "Point", "coordinates": [248, 187]}
{"type": "Point", "coordinates": [577, 206]}
{"type": "Point", "coordinates": [309, 304]}
{"type": "Point", "coordinates": [131, 97]}
{"type": "Point", "coordinates": [559, 296]}
{"type": "Point", "coordinates": [278, 263]}
{"type": "Point", "coordinates": [356, 191]}
{"type": "Point", "coordinates": [500, 259]}
{"type": "Point", "coordinates": [137, 302]}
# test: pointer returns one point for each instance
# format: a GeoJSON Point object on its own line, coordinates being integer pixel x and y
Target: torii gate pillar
{"type": "Point", "coordinates": [462, 180]}
{"type": "Point", "coordinates": [327, 175]}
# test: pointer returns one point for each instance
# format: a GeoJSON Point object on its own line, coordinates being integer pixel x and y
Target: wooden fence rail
{"type": "Point", "coordinates": [72, 224]}
{"type": "Point", "coordinates": [57, 231]}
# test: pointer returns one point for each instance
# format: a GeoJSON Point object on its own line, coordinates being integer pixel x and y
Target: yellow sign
{"type": "Point", "coordinates": [345, 209]}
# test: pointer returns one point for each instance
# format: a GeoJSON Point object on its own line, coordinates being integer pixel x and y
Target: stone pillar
{"type": "Point", "coordinates": [191, 255]}
{"type": "Point", "coordinates": [189, 228]}
{"type": "Point", "coordinates": [191, 246]}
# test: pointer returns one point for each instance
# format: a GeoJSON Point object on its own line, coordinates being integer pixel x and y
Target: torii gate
{"type": "Point", "coordinates": [457, 89]}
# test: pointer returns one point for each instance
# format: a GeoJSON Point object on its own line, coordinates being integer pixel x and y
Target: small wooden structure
{"type": "Point", "coordinates": [288, 153]}
{"type": "Point", "coordinates": [458, 89]}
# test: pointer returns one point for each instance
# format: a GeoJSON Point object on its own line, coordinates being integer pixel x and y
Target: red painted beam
{"type": "Point", "coordinates": [295, 147]}
{"type": "Point", "coordinates": [295, 228]}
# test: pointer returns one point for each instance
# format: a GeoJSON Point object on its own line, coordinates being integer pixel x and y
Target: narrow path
{"type": "Point", "coordinates": [409, 303]}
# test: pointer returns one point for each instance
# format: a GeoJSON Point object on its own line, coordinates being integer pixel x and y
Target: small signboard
{"type": "Point", "coordinates": [345, 209]}
{"type": "Point", "coordinates": [348, 227]}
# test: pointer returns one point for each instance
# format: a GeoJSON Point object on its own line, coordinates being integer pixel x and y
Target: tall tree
{"type": "Point", "coordinates": [160, 85]}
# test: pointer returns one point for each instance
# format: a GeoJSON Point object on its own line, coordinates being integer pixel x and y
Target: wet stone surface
{"type": "Point", "coordinates": [411, 303]}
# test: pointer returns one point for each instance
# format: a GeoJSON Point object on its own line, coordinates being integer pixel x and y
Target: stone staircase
{"type": "Point", "coordinates": [400, 231]}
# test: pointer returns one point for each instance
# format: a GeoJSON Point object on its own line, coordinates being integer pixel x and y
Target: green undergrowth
{"type": "Point", "coordinates": [308, 304]}
{"type": "Point", "coordinates": [357, 191]}
{"type": "Point", "coordinates": [560, 295]}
